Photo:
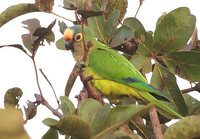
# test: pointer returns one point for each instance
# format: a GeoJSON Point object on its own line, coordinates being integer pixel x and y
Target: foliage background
{"type": "Point", "coordinates": [16, 69]}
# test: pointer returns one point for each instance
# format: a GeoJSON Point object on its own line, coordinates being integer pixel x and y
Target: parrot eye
{"type": "Point", "coordinates": [78, 37]}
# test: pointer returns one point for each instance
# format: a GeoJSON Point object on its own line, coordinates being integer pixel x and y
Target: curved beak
{"type": "Point", "coordinates": [69, 45]}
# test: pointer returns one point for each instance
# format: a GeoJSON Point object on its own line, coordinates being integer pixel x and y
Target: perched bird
{"type": "Point", "coordinates": [112, 74]}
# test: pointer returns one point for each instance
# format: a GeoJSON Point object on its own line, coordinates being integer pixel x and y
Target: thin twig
{"type": "Point", "coordinates": [155, 123]}
{"type": "Point", "coordinates": [36, 75]}
{"type": "Point", "coordinates": [50, 85]}
{"type": "Point", "coordinates": [63, 17]}
{"type": "Point", "coordinates": [141, 1]}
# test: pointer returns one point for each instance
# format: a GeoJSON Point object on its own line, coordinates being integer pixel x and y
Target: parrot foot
{"type": "Point", "coordinates": [87, 79]}
{"type": "Point", "coordinates": [80, 66]}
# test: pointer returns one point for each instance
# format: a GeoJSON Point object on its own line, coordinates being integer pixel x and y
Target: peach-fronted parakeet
{"type": "Point", "coordinates": [112, 73]}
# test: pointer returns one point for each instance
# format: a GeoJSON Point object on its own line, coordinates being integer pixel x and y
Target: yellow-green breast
{"type": "Point", "coordinates": [109, 87]}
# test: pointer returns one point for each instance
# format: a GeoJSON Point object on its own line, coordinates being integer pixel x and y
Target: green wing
{"type": "Point", "coordinates": [109, 64]}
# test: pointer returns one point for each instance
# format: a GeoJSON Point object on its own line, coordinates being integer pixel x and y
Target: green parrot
{"type": "Point", "coordinates": [112, 74]}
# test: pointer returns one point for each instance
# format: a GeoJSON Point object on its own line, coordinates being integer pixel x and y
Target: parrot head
{"type": "Point", "coordinates": [76, 37]}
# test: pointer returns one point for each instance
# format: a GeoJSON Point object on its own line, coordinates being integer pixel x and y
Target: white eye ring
{"type": "Point", "coordinates": [78, 37]}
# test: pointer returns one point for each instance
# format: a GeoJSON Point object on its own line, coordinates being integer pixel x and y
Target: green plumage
{"type": "Point", "coordinates": [114, 74]}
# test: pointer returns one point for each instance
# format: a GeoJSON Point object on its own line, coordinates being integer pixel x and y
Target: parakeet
{"type": "Point", "coordinates": [112, 73]}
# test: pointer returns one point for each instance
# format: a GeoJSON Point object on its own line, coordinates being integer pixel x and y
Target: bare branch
{"type": "Point", "coordinates": [155, 123]}
{"type": "Point", "coordinates": [41, 100]}
{"type": "Point", "coordinates": [195, 88]}
{"type": "Point", "coordinates": [50, 85]}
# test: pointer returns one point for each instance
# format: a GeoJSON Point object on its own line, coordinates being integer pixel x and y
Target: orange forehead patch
{"type": "Point", "coordinates": [68, 34]}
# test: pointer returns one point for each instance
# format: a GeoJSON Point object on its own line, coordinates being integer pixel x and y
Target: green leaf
{"type": "Point", "coordinates": [50, 134]}
{"type": "Point", "coordinates": [99, 120]}
{"type": "Point", "coordinates": [123, 35]}
{"type": "Point", "coordinates": [60, 44]}
{"type": "Point", "coordinates": [97, 24]}
{"type": "Point", "coordinates": [145, 46]}
{"type": "Point", "coordinates": [67, 106]}
{"type": "Point", "coordinates": [136, 25]}
{"type": "Point", "coordinates": [124, 113]}
{"type": "Point", "coordinates": [165, 81]}
{"type": "Point", "coordinates": [186, 128]}
{"type": "Point", "coordinates": [120, 5]}
{"type": "Point", "coordinates": [70, 125]}
{"type": "Point", "coordinates": [193, 105]}
{"type": "Point", "coordinates": [89, 108]}
{"type": "Point", "coordinates": [51, 122]}
{"type": "Point", "coordinates": [12, 97]}
{"type": "Point", "coordinates": [111, 24]}
{"type": "Point", "coordinates": [120, 134]}
{"type": "Point", "coordinates": [160, 18]}
{"type": "Point", "coordinates": [104, 28]}
{"type": "Point", "coordinates": [141, 62]}
{"type": "Point", "coordinates": [75, 127]}
{"type": "Point", "coordinates": [174, 31]}
{"type": "Point", "coordinates": [62, 26]}
{"type": "Point", "coordinates": [120, 115]}
{"type": "Point", "coordinates": [15, 11]}
{"type": "Point", "coordinates": [185, 64]}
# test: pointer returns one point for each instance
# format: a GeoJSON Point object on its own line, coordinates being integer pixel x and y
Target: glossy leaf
{"type": "Point", "coordinates": [185, 64]}
{"type": "Point", "coordinates": [50, 134]}
{"type": "Point", "coordinates": [123, 35]}
{"type": "Point", "coordinates": [165, 81]}
{"type": "Point", "coordinates": [136, 25]}
{"type": "Point", "coordinates": [12, 97]}
{"type": "Point", "coordinates": [141, 63]}
{"type": "Point", "coordinates": [174, 31]}
{"type": "Point", "coordinates": [186, 128]}
{"type": "Point", "coordinates": [88, 109]}
{"type": "Point", "coordinates": [67, 106]}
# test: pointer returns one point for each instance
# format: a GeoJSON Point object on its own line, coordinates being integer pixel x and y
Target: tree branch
{"type": "Point", "coordinates": [50, 85]}
{"type": "Point", "coordinates": [41, 100]}
{"type": "Point", "coordinates": [195, 88]}
{"type": "Point", "coordinates": [155, 123]}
